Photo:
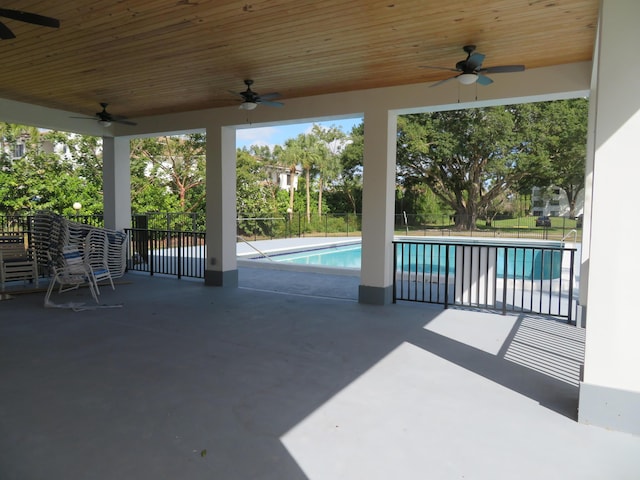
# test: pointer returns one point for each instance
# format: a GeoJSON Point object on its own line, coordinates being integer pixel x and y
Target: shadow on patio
{"type": "Point", "coordinates": [288, 377]}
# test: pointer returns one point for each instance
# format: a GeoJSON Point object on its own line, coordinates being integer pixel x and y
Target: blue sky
{"type": "Point", "coordinates": [278, 135]}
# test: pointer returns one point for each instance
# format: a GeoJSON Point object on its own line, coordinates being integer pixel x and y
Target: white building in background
{"type": "Point", "coordinates": [552, 202]}
{"type": "Point", "coordinates": [281, 176]}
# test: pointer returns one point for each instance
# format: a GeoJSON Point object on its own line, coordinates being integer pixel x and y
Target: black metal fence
{"type": "Point", "coordinates": [557, 228]}
{"type": "Point", "coordinates": [168, 252]}
{"type": "Point", "coordinates": [270, 226]}
{"type": "Point", "coordinates": [497, 276]}
{"type": "Point", "coordinates": [262, 226]}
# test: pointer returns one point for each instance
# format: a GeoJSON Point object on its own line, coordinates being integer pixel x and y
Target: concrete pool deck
{"type": "Point", "coordinates": [288, 378]}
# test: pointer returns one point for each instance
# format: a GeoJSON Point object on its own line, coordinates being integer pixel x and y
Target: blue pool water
{"type": "Point", "coordinates": [522, 262]}
{"type": "Point", "coordinates": [346, 256]}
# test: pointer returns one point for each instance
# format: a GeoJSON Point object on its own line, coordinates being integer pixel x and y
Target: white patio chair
{"type": "Point", "coordinates": [69, 273]}
{"type": "Point", "coordinates": [96, 249]}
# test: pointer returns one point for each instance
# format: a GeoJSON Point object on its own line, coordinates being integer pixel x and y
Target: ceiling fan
{"type": "Point", "coordinates": [6, 34]}
{"type": "Point", "coordinates": [251, 99]}
{"type": "Point", "coordinates": [106, 119]}
{"type": "Point", "coordinates": [471, 71]}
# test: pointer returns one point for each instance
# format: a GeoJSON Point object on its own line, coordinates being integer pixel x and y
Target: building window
{"type": "Point", "coordinates": [18, 150]}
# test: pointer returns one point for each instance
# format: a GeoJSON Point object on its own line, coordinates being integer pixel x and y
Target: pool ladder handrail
{"type": "Point", "coordinates": [573, 232]}
{"type": "Point", "coordinates": [255, 248]}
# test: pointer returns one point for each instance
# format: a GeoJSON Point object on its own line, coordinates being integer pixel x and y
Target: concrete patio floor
{"type": "Point", "coordinates": [288, 377]}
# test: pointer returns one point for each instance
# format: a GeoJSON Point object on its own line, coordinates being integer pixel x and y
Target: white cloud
{"type": "Point", "coordinates": [257, 136]}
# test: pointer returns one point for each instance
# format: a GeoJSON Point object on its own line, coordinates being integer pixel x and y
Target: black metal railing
{"type": "Point", "coordinates": [167, 252]}
{"type": "Point", "coordinates": [506, 277]}
{"type": "Point", "coordinates": [263, 226]}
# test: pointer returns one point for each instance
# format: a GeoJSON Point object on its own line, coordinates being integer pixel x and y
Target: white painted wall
{"type": "Point", "coordinates": [116, 175]}
{"type": "Point", "coordinates": [221, 198]}
{"type": "Point", "coordinates": [378, 198]}
{"type": "Point", "coordinates": [613, 323]}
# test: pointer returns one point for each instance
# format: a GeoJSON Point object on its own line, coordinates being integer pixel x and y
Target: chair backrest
{"type": "Point", "coordinates": [73, 260]}
{"type": "Point", "coordinates": [96, 248]}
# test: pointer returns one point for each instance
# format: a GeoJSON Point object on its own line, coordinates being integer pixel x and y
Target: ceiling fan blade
{"type": "Point", "coordinates": [483, 80]}
{"type": "Point", "coordinates": [503, 69]}
{"type": "Point", "coordinates": [122, 121]}
{"type": "Point", "coordinates": [30, 18]}
{"type": "Point", "coordinates": [5, 33]}
{"type": "Point", "coordinates": [437, 84]}
{"type": "Point", "coordinates": [270, 96]}
{"type": "Point", "coordinates": [272, 104]}
{"type": "Point", "coordinates": [475, 61]}
{"type": "Point", "coordinates": [439, 68]}
{"type": "Point", "coordinates": [84, 118]}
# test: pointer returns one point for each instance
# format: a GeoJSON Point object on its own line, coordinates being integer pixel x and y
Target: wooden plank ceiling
{"type": "Point", "coordinates": [147, 57]}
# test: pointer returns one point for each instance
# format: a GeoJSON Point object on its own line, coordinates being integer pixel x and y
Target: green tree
{"type": "Point", "coordinates": [176, 163]}
{"type": "Point", "coordinates": [309, 152]}
{"type": "Point", "coordinates": [332, 140]}
{"type": "Point", "coordinates": [255, 191]}
{"type": "Point", "coordinates": [346, 190]}
{"type": "Point", "coordinates": [54, 171]}
{"type": "Point", "coordinates": [466, 157]}
{"type": "Point", "coordinates": [84, 153]}
{"type": "Point", "coordinates": [287, 157]}
{"type": "Point", "coordinates": [558, 138]}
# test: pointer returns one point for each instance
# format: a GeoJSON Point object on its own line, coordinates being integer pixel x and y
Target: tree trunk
{"type": "Point", "coordinates": [465, 220]}
{"type": "Point", "coordinates": [291, 177]}
{"type": "Point", "coordinates": [307, 179]}
{"type": "Point", "coordinates": [320, 197]}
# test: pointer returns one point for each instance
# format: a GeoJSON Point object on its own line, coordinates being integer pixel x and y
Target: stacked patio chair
{"type": "Point", "coordinates": [117, 244]}
{"type": "Point", "coordinates": [96, 249]}
{"type": "Point", "coordinates": [76, 254]}
{"type": "Point", "coordinates": [49, 235]}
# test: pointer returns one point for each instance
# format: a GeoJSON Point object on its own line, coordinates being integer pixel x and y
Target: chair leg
{"type": "Point", "coordinates": [94, 290]}
{"type": "Point", "coordinates": [52, 283]}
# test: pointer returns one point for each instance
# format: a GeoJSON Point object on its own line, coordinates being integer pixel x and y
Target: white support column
{"type": "Point", "coordinates": [610, 391]}
{"type": "Point", "coordinates": [116, 179]}
{"type": "Point", "coordinates": [222, 268]}
{"type": "Point", "coordinates": [378, 205]}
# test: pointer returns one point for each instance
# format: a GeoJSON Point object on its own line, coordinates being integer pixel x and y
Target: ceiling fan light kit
{"type": "Point", "coordinates": [248, 105]}
{"type": "Point", "coordinates": [468, 78]}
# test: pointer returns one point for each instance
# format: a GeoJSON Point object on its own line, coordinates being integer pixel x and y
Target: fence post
{"type": "Point", "coordinates": [150, 260]}
{"type": "Point", "coordinates": [179, 254]}
{"type": "Point", "coordinates": [570, 296]}
{"type": "Point", "coordinates": [395, 267]}
{"type": "Point", "coordinates": [504, 280]}
{"type": "Point", "coordinates": [446, 275]}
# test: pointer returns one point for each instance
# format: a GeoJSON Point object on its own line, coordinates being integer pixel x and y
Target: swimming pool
{"type": "Point", "coordinates": [525, 261]}
{"type": "Point", "coordinates": [337, 256]}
